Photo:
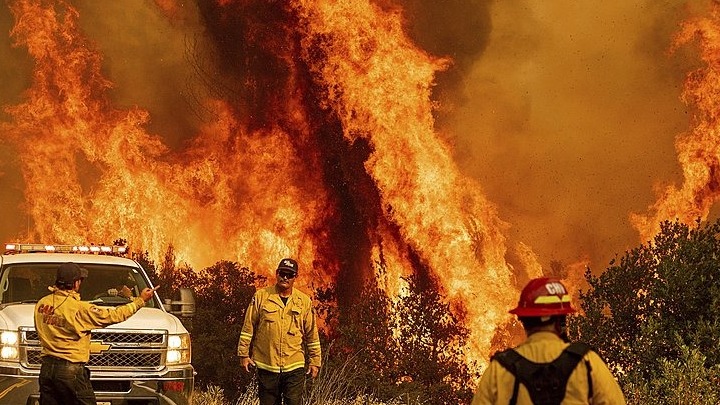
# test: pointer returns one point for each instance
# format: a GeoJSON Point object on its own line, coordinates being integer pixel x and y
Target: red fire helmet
{"type": "Point", "coordinates": [543, 297]}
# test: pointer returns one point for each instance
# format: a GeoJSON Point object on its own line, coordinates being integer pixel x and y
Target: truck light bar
{"type": "Point", "coordinates": [11, 248]}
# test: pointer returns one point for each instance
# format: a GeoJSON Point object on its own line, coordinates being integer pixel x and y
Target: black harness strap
{"type": "Point", "coordinates": [510, 359]}
{"type": "Point", "coordinates": [546, 382]}
{"type": "Point", "coordinates": [580, 349]}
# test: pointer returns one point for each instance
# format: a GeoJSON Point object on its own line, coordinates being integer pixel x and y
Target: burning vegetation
{"type": "Point", "coordinates": [314, 136]}
{"type": "Point", "coordinates": [315, 139]}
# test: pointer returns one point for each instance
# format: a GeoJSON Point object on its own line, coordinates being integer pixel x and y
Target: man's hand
{"type": "Point", "coordinates": [147, 293]}
{"type": "Point", "coordinates": [247, 362]}
{"type": "Point", "coordinates": [313, 371]}
{"type": "Point", "coordinates": [125, 292]}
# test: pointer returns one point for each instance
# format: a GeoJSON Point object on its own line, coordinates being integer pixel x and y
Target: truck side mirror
{"type": "Point", "coordinates": [184, 306]}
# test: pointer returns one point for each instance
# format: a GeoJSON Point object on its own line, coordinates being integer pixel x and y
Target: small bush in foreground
{"type": "Point", "coordinates": [682, 381]}
{"type": "Point", "coordinates": [215, 396]}
{"type": "Point", "coordinates": [332, 387]}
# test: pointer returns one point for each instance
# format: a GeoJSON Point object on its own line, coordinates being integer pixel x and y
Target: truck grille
{"type": "Point", "coordinates": [122, 349]}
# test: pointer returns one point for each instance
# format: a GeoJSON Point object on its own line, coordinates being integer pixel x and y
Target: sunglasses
{"type": "Point", "coordinates": [286, 275]}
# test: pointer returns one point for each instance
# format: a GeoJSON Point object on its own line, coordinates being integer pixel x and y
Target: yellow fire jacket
{"type": "Point", "coordinates": [276, 331]}
{"type": "Point", "coordinates": [496, 384]}
{"type": "Point", "coordinates": [65, 332]}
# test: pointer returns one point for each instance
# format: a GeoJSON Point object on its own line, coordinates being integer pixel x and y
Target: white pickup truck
{"type": "Point", "coordinates": [143, 360]}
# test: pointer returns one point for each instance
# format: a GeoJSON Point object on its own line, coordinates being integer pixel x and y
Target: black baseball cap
{"type": "Point", "coordinates": [68, 273]}
{"type": "Point", "coordinates": [289, 265]}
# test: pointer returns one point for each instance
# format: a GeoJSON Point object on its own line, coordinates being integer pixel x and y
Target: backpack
{"type": "Point", "coordinates": [546, 382]}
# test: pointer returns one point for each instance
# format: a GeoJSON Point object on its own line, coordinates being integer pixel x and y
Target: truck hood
{"type": "Point", "coordinates": [14, 316]}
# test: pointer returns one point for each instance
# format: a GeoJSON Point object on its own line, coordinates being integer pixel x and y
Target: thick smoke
{"type": "Point", "coordinates": [146, 56]}
{"type": "Point", "coordinates": [569, 118]}
{"type": "Point", "coordinates": [15, 70]}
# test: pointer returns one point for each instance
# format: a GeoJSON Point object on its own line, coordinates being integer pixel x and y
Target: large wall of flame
{"type": "Point", "coordinates": [565, 112]}
{"type": "Point", "coordinates": [560, 117]}
{"type": "Point", "coordinates": [250, 131]}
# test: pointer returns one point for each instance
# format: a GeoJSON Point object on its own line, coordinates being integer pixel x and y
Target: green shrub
{"type": "Point", "coordinates": [682, 381]}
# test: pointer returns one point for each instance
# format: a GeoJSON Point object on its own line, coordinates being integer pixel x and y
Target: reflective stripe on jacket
{"type": "Point", "coordinates": [65, 333]}
{"type": "Point", "coordinates": [496, 384]}
{"type": "Point", "coordinates": [276, 331]}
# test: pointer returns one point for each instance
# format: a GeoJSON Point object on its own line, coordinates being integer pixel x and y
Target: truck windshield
{"type": "Point", "coordinates": [105, 284]}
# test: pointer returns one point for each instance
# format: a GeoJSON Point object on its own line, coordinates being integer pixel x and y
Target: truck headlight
{"type": "Point", "coordinates": [9, 348]}
{"type": "Point", "coordinates": [178, 349]}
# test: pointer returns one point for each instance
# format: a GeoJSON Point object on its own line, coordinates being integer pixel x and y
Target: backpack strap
{"type": "Point", "coordinates": [580, 349]}
{"type": "Point", "coordinates": [526, 371]}
{"type": "Point", "coordinates": [510, 360]}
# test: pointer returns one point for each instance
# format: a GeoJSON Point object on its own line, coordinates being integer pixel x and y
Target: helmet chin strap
{"type": "Point", "coordinates": [561, 329]}
{"type": "Point", "coordinates": [552, 324]}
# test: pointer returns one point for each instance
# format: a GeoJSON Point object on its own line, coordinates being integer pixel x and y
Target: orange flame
{"type": "Point", "coordinates": [699, 150]}
{"type": "Point", "coordinates": [92, 172]}
{"type": "Point", "coordinates": [385, 99]}
{"type": "Point", "coordinates": [254, 192]}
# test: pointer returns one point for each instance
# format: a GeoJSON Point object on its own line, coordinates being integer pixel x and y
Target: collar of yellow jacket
{"type": "Point", "coordinates": [64, 293]}
{"type": "Point", "coordinates": [276, 292]}
{"type": "Point", "coordinates": [542, 335]}
{"type": "Point", "coordinates": [275, 296]}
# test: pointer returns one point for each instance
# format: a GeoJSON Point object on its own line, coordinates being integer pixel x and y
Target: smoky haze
{"type": "Point", "coordinates": [564, 111]}
{"type": "Point", "coordinates": [568, 118]}
{"type": "Point", "coordinates": [15, 68]}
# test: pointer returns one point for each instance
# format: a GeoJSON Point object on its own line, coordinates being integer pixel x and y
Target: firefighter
{"type": "Point", "coordinates": [545, 368]}
{"type": "Point", "coordinates": [63, 323]}
{"type": "Point", "coordinates": [279, 321]}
